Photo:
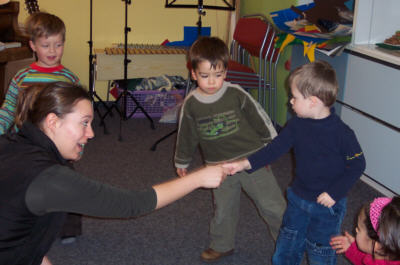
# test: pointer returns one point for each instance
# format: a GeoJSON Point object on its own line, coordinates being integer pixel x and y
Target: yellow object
{"type": "Point", "coordinates": [309, 47]}
{"type": "Point", "coordinates": [309, 50]}
{"type": "Point", "coordinates": [289, 38]}
{"type": "Point", "coordinates": [311, 28]}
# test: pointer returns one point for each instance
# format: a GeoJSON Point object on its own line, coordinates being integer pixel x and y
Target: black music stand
{"type": "Point", "coordinates": [200, 7]}
{"type": "Point", "coordinates": [228, 6]}
{"type": "Point", "coordinates": [92, 92]}
{"type": "Point", "coordinates": [125, 94]}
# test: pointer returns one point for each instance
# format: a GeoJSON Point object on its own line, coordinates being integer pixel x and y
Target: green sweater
{"type": "Point", "coordinates": [227, 125]}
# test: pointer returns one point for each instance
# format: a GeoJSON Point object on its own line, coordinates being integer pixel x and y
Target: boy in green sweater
{"type": "Point", "coordinates": [227, 124]}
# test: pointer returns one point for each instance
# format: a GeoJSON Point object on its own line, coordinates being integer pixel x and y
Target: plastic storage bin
{"type": "Point", "coordinates": [154, 102]}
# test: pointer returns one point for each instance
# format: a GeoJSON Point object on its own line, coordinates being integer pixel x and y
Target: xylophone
{"type": "Point", "coordinates": [146, 61]}
{"type": "Point", "coordinates": [145, 49]}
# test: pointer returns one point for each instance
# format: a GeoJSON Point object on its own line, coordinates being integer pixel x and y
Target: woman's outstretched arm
{"type": "Point", "coordinates": [207, 177]}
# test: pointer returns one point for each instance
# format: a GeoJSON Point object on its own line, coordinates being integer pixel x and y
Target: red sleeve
{"type": "Point", "coordinates": [355, 255]}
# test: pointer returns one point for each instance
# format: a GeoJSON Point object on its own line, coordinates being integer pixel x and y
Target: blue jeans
{"type": "Point", "coordinates": [307, 227]}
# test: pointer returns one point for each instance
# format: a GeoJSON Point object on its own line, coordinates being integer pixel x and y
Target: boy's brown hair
{"type": "Point", "coordinates": [316, 79]}
{"type": "Point", "coordinates": [42, 24]}
{"type": "Point", "coordinates": [211, 49]}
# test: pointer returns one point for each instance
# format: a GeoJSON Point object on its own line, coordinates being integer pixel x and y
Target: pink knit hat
{"type": "Point", "coordinates": [376, 209]}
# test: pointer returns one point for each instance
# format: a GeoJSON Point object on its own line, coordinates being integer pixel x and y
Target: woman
{"type": "Point", "coordinates": [38, 186]}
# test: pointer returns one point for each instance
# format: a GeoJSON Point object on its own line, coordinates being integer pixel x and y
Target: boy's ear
{"type": "Point", "coordinates": [314, 100]}
{"type": "Point", "coordinates": [32, 45]}
{"type": "Point", "coordinates": [193, 74]}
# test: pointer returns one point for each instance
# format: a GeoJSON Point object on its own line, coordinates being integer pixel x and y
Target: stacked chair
{"type": "Point", "coordinates": [254, 37]}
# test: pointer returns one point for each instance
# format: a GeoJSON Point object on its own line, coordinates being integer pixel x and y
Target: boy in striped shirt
{"type": "Point", "coordinates": [47, 38]}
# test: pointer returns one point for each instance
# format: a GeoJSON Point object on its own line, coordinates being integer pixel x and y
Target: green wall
{"type": "Point", "coordinates": [266, 7]}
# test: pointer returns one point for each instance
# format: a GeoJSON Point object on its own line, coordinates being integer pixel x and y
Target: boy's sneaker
{"type": "Point", "coordinates": [212, 255]}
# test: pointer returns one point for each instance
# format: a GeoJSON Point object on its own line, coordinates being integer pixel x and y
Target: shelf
{"type": "Point", "coordinates": [375, 21]}
{"type": "Point", "coordinates": [13, 54]}
{"type": "Point", "coordinates": [373, 51]}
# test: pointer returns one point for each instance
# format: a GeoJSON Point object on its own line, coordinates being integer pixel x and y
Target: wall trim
{"type": "Point", "coordinates": [377, 186]}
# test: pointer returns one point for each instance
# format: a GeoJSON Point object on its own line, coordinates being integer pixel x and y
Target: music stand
{"type": "Point", "coordinates": [125, 94]}
{"type": "Point", "coordinates": [228, 6]}
{"type": "Point", "coordinates": [92, 92]}
{"type": "Point", "coordinates": [200, 12]}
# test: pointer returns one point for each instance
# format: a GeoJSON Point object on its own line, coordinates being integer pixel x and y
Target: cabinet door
{"type": "Point", "coordinates": [373, 88]}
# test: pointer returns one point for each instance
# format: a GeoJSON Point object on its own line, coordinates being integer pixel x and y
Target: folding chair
{"type": "Point", "coordinates": [254, 37]}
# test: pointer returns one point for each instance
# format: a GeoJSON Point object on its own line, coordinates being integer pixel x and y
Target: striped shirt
{"type": "Point", "coordinates": [24, 78]}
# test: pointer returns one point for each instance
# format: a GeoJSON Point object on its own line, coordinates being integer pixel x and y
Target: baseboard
{"type": "Point", "coordinates": [377, 186]}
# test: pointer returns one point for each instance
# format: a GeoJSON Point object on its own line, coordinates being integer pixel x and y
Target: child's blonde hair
{"type": "Point", "coordinates": [316, 79]}
{"type": "Point", "coordinates": [42, 24]}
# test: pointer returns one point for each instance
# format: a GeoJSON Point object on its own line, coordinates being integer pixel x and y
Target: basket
{"type": "Point", "coordinates": [154, 102]}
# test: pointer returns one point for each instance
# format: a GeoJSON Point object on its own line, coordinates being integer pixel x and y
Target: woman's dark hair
{"type": "Point", "coordinates": [37, 101]}
{"type": "Point", "coordinates": [388, 234]}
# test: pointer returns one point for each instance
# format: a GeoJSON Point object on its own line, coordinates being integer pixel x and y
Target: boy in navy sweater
{"type": "Point", "coordinates": [329, 160]}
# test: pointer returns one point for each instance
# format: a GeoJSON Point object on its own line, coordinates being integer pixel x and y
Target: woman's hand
{"type": "Point", "coordinates": [341, 243]}
{"type": "Point", "coordinates": [206, 177]}
{"type": "Point", "coordinates": [212, 176]}
{"type": "Point", "coordinates": [236, 166]}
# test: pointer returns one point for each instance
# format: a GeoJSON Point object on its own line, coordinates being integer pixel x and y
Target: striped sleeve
{"type": "Point", "coordinates": [7, 110]}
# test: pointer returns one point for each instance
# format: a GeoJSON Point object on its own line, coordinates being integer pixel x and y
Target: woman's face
{"type": "Point", "coordinates": [74, 130]}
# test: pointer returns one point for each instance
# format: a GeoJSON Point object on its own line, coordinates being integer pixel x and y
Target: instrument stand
{"type": "Point", "coordinates": [125, 94]}
{"type": "Point", "coordinates": [201, 13]}
{"type": "Point", "coordinates": [92, 92]}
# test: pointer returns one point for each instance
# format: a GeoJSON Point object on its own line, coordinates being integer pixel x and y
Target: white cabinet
{"type": "Point", "coordinates": [372, 86]}
{"type": "Point", "coordinates": [375, 21]}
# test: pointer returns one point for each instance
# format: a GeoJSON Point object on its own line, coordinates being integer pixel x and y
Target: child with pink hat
{"type": "Point", "coordinates": [377, 239]}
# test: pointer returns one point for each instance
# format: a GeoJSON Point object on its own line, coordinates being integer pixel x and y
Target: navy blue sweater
{"type": "Point", "coordinates": [328, 156]}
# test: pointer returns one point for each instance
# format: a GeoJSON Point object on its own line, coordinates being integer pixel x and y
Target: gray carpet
{"type": "Point", "coordinates": [178, 233]}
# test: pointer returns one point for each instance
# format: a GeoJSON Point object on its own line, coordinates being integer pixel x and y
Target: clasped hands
{"type": "Point", "coordinates": [212, 176]}
{"type": "Point", "coordinates": [231, 168]}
